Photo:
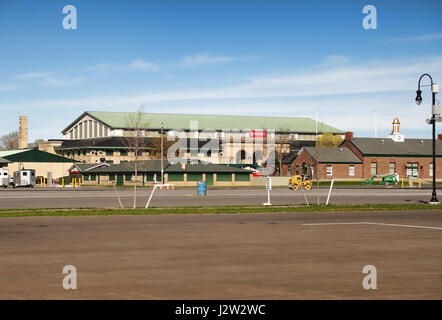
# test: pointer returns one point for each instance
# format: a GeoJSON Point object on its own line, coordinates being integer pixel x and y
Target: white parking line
{"type": "Point", "coordinates": [372, 223]}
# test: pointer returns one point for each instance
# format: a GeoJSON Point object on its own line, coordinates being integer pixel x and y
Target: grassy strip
{"type": "Point", "coordinates": [211, 210]}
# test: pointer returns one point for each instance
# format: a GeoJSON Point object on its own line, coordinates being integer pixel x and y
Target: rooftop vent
{"type": "Point", "coordinates": [382, 141]}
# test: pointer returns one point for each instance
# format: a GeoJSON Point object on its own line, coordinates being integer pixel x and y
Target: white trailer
{"type": "Point", "coordinates": [24, 178]}
{"type": "Point", "coordinates": [4, 178]}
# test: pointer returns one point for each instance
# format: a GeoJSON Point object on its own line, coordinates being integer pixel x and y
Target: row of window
{"type": "Point", "coordinates": [88, 129]}
{"type": "Point", "coordinates": [178, 177]}
{"type": "Point", "coordinates": [412, 169]}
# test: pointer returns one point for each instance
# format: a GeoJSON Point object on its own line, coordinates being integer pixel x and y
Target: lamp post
{"type": "Point", "coordinates": [434, 90]}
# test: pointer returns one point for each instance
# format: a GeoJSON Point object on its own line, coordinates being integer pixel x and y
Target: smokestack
{"type": "Point", "coordinates": [349, 135]}
{"type": "Point", "coordinates": [23, 133]}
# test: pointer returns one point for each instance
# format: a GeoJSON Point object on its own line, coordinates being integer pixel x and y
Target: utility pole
{"type": "Point", "coordinates": [162, 156]}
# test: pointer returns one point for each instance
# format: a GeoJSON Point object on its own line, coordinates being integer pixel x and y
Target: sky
{"type": "Point", "coordinates": [243, 57]}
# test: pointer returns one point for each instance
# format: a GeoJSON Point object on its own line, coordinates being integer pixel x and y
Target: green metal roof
{"type": "Point", "coordinates": [155, 166]}
{"type": "Point", "coordinates": [119, 120]}
{"type": "Point", "coordinates": [32, 155]}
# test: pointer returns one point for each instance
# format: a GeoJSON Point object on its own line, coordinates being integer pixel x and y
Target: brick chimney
{"type": "Point", "coordinates": [23, 132]}
{"type": "Point", "coordinates": [439, 137]}
{"type": "Point", "coordinates": [349, 135]}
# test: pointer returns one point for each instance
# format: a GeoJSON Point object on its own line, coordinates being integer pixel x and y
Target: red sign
{"type": "Point", "coordinates": [257, 134]}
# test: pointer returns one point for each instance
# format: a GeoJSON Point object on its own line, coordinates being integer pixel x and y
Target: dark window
{"type": "Point", "coordinates": [123, 152]}
{"type": "Point", "coordinates": [109, 152]}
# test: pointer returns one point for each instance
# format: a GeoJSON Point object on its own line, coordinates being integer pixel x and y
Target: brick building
{"type": "Point", "coordinates": [412, 157]}
{"type": "Point", "coordinates": [324, 163]}
{"type": "Point", "coordinates": [362, 158]}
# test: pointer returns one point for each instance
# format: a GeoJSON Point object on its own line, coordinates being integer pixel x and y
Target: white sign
{"type": "Point", "coordinates": [268, 183]}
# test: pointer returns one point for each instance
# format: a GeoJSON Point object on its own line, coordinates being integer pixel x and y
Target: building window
{"type": "Point", "coordinates": [224, 177]}
{"type": "Point", "coordinates": [128, 177]}
{"type": "Point", "coordinates": [329, 170]}
{"type": "Point", "coordinates": [109, 152]}
{"type": "Point", "coordinates": [80, 128]}
{"type": "Point", "coordinates": [123, 152]}
{"type": "Point", "coordinates": [374, 168]}
{"type": "Point", "coordinates": [95, 129]}
{"type": "Point", "coordinates": [296, 170]}
{"type": "Point", "coordinates": [351, 170]}
{"type": "Point", "coordinates": [111, 177]}
{"type": "Point", "coordinates": [431, 169]}
{"type": "Point", "coordinates": [76, 132]}
{"type": "Point", "coordinates": [304, 168]}
{"type": "Point", "coordinates": [289, 171]}
{"type": "Point", "coordinates": [412, 169]}
{"type": "Point", "coordinates": [392, 168]}
{"type": "Point", "coordinates": [90, 128]}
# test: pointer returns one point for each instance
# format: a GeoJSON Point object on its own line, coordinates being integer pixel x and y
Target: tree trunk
{"type": "Point", "coordinates": [135, 183]}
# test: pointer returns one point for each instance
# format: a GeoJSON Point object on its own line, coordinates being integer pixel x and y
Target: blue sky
{"type": "Point", "coordinates": [276, 58]}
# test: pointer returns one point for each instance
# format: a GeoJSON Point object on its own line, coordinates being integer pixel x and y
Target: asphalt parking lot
{"type": "Point", "coordinates": [58, 198]}
{"type": "Point", "coordinates": [227, 256]}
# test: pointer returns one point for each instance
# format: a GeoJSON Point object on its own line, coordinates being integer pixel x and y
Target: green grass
{"type": "Point", "coordinates": [211, 210]}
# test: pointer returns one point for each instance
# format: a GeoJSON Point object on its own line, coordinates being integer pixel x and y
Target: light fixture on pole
{"type": "Point", "coordinates": [435, 116]}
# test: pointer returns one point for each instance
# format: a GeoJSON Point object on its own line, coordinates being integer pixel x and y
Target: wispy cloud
{"type": "Point", "coordinates": [48, 79]}
{"type": "Point", "coordinates": [345, 95]}
{"type": "Point", "coordinates": [138, 64]}
{"type": "Point", "coordinates": [7, 87]}
{"type": "Point", "coordinates": [424, 37]}
{"type": "Point", "coordinates": [207, 58]}
{"type": "Point", "coordinates": [335, 60]}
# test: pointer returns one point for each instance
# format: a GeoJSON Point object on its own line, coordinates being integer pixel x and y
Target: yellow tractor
{"type": "Point", "coordinates": [298, 180]}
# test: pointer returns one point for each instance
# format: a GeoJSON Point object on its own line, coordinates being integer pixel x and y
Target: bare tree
{"type": "Point", "coordinates": [282, 148]}
{"type": "Point", "coordinates": [35, 143]}
{"type": "Point", "coordinates": [136, 142]}
{"type": "Point", "coordinates": [9, 141]}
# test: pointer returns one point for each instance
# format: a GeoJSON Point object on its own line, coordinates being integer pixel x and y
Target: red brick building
{"type": "Point", "coordinates": [362, 158]}
{"type": "Point", "coordinates": [325, 163]}
{"type": "Point", "coordinates": [411, 157]}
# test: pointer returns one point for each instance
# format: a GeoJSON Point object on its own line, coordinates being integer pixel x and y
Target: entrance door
{"type": "Point", "coordinates": [119, 179]}
{"type": "Point", "coordinates": [209, 179]}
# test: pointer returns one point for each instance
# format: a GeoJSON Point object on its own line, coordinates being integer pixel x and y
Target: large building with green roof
{"type": "Point", "coordinates": [98, 136]}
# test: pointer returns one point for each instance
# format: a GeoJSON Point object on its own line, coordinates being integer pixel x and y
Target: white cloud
{"type": "Point", "coordinates": [424, 37]}
{"type": "Point", "coordinates": [206, 58]}
{"type": "Point", "coordinates": [33, 75]}
{"type": "Point", "coordinates": [7, 87]}
{"type": "Point", "coordinates": [48, 79]}
{"type": "Point", "coordinates": [335, 60]}
{"type": "Point", "coordinates": [346, 96]}
{"type": "Point", "coordinates": [138, 64]}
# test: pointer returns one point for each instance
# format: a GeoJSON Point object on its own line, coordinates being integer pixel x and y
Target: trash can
{"type": "Point", "coordinates": [201, 188]}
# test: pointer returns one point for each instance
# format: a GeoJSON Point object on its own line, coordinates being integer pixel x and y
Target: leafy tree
{"type": "Point", "coordinates": [327, 139]}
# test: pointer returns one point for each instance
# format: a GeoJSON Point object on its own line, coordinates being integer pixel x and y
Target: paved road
{"type": "Point", "coordinates": [242, 256]}
{"type": "Point", "coordinates": [186, 197]}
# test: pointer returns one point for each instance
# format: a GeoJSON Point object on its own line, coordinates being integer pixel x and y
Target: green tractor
{"type": "Point", "coordinates": [387, 179]}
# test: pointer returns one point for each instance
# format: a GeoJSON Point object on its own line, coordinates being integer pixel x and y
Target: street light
{"type": "Point", "coordinates": [434, 89]}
